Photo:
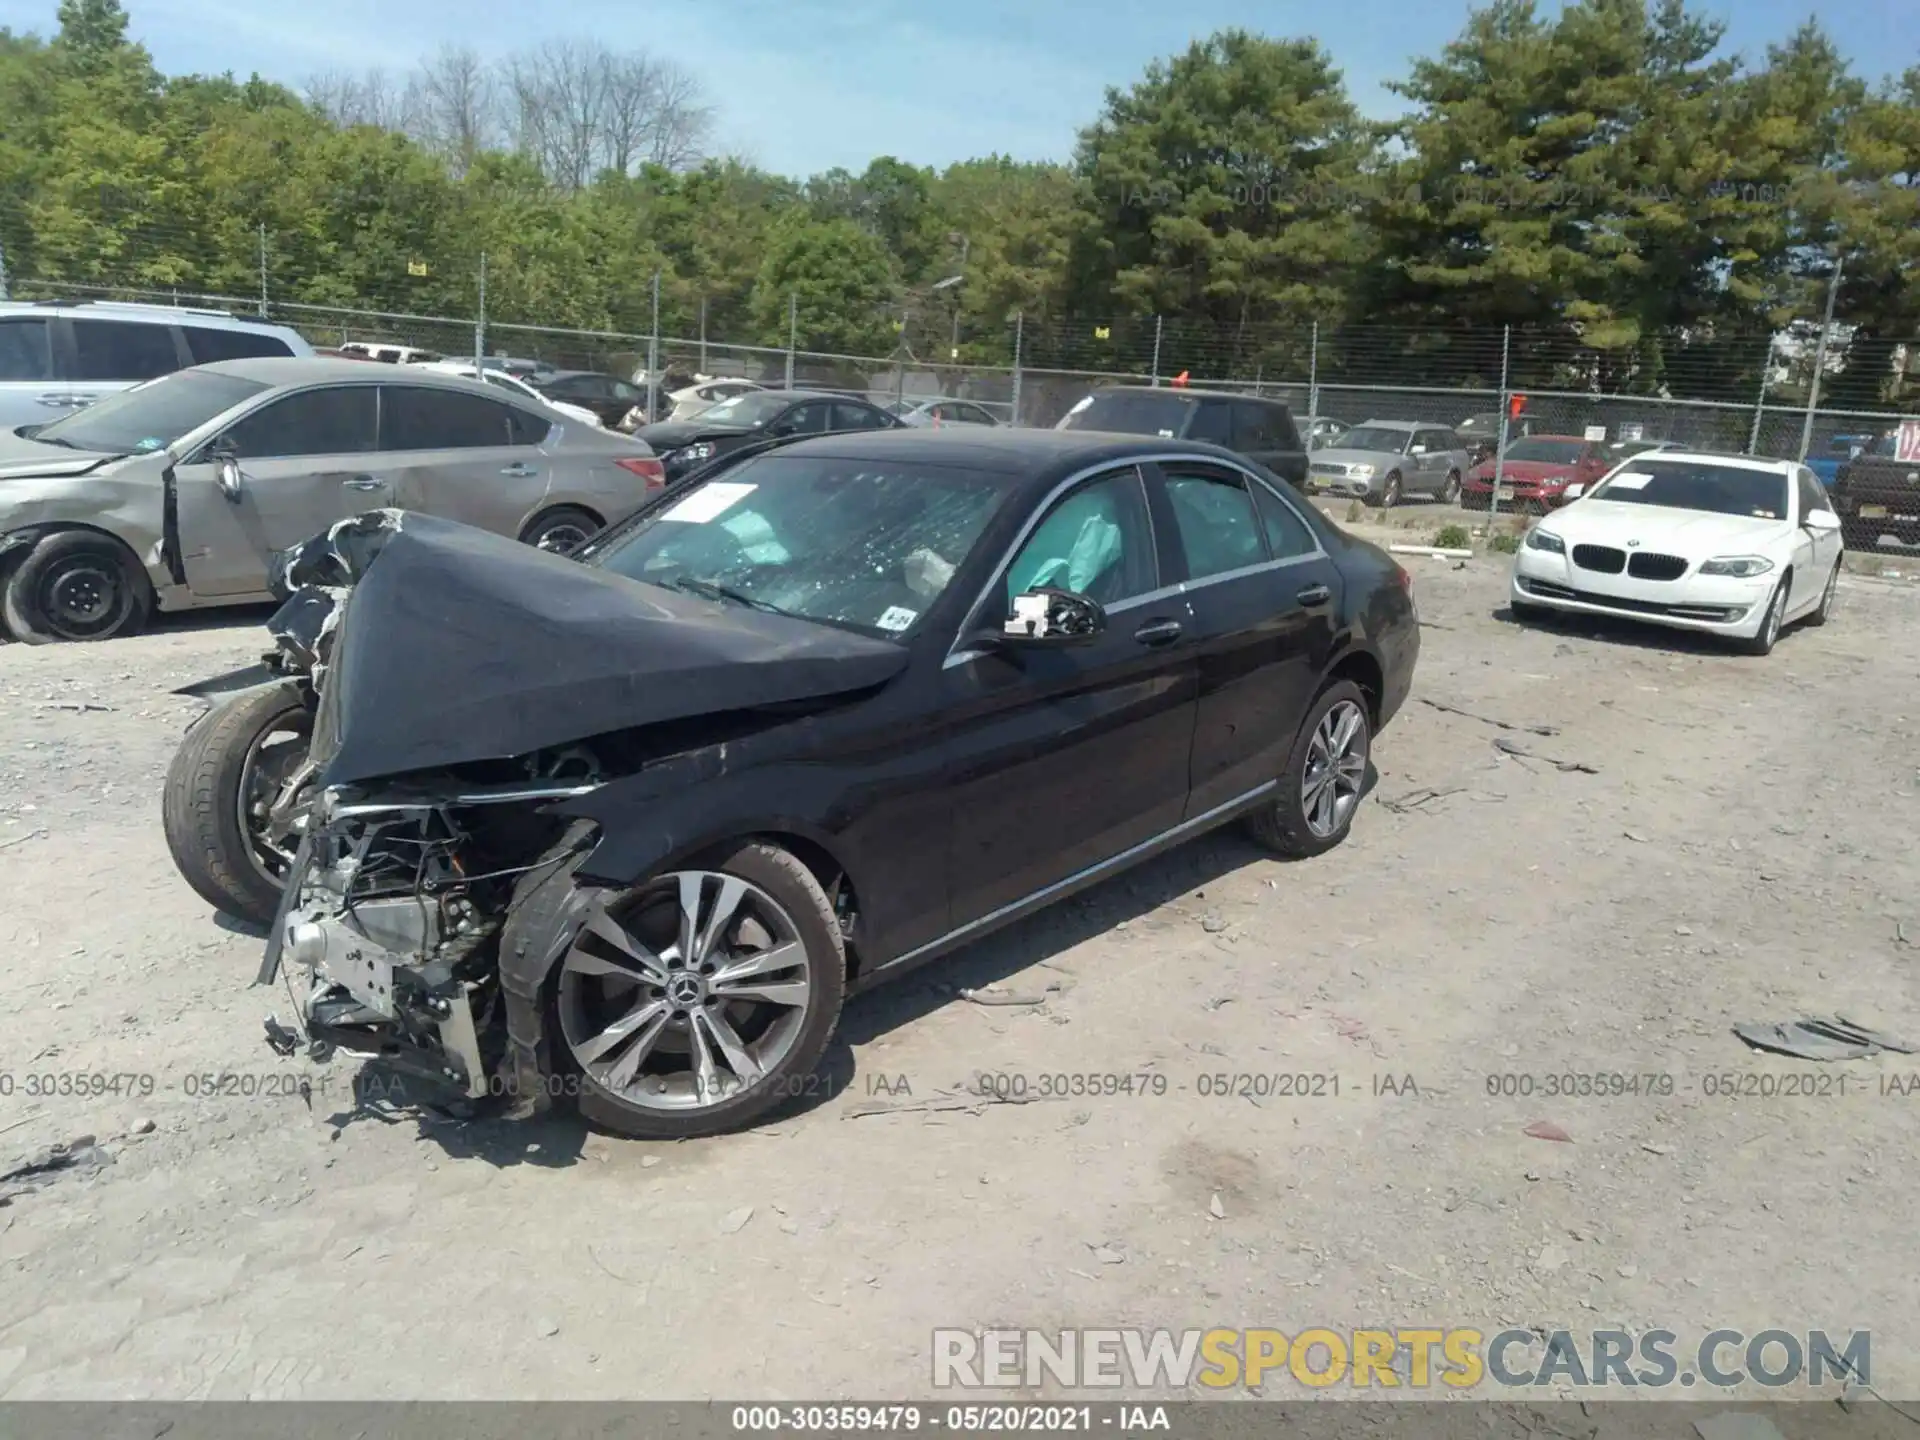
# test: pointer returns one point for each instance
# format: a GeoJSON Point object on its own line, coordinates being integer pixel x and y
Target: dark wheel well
{"type": "Point", "coordinates": [542, 513]}
{"type": "Point", "coordinates": [833, 879]}
{"type": "Point", "coordinates": [1363, 670]}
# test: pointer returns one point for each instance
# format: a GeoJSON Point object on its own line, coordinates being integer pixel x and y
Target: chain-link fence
{"type": "Point", "coordinates": [1744, 393]}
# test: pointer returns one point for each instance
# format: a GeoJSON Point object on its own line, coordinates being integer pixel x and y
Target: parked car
{"type": "Point", "coordinates": [799, 731]}
{"type": "Point", "coordinates": [684, 445]}
{"type": "Point", "coordinates": [505, 380]}
{"type": "Point", "coordinates": [940, 411]}
{"type": "Point", "coordinates": [1723, 544]}
{"type": "Point", "coordinates": [1384, 461]}
{"type": "Point", "coordinates": [1538, 471]}
{"type": "Point", "coordinates": [1254, 426]}
{"type": "Point", "coordinates": [1876, 493]}
{"type": "Point", "coordinates": [59, 358]}
{"type": "Point", "coordinates": [180, 492]}
{"type": "Point", "coordinates": [1481, 433]}
{"type": "Point", "coordinates": [1837, 451]}
{"type": "Point", "coordinates": [1324, 432]}
{"type": "Point", "coordinates": [386, 353]}
{"type": "Point", "coordinates": [607, 396]}
{"type": "Point", "coordinates": [692, 401]}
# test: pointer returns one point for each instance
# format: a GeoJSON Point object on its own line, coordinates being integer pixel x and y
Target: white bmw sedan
{"type": "Point", "coordinates": [1724, 544]}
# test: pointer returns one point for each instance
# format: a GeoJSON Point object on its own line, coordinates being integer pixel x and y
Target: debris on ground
{"type": "Point", "coordinates": [1414, 799]}
{"type": "Point", "coordinates": [1520, 752]}
{"type": "Point", "coordinates": [1820, 1039]}
{"type": "Point", "coordinates": [43, 1167]}
{"type": "Point", "coordinates": [1547, 1130]}
{"type": "Point", "coordinates": [994, 995]}
{"type": "Point", "coordinates": [1548, 730]}
{"type": "Point", "coordinates": [736, 1220]}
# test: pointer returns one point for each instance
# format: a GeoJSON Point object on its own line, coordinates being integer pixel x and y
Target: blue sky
{"type": "Point", "coordinates": [802, 85]}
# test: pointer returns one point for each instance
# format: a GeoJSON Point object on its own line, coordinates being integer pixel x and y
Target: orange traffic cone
{"type": "Point", "coordinates": [1181, 378]}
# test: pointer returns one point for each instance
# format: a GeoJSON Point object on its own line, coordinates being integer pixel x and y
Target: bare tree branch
{"type": "Point", "coordinates": [454, 107]}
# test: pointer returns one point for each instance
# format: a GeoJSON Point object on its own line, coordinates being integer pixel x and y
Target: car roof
{"type": "Point", "coordinates": [1406, 424]}
{"type": "Point", "coordinates": [1190, 392]}
{"type": "Point", "coordinates": [137, 312]}
{"type": "Point", "coordinates": [308, 370]}
{"type": "Point", "coordinates": [550, 375]}
{"type": "Point", "coordinates": [1738, 462]}
{"type": "Point", "coordinates": [1018, 454]}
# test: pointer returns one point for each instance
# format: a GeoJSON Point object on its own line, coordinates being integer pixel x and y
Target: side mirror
{"type": "Point", "coordinates": [232, 483]}
{"type": "Point", "coordinates": [1820, 520]}
{"type": "Point", "coordinates": [1576, 490]}
{"type": "Point", "coordinates": [1049, 616]}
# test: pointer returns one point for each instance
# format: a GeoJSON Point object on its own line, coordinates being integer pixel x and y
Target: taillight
{"type": "Point", "coordinates": [648, 468]}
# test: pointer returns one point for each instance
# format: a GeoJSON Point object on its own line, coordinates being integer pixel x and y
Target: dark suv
{"type": "Point", "coordinates": [1250, 425]}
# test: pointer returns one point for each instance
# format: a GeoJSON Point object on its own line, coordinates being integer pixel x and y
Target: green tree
{"type": "Point", "coordinates": [843, 280]}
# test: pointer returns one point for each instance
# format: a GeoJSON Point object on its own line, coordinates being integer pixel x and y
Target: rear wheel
{"type": "Point", "coordinates": [561, 530]}
{"type": "Point", "coordinates": [232, 795]}
{"type": "Point", "coordinates": [76, 585]}
{"type": "Point", "coordinates": [699, 999]}
{"type": "Point", "coordinates": [1450, 492]}
{"type": "Point", "coordinates": [1324, 779]}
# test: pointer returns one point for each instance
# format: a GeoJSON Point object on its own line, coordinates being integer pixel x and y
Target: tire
{"type": "Point", "coordinates": [563, 529]}
{"type": "Point", "coordinates": [1285, 826]}
{"type": "Point", "coordinates": [789, 1055]}
{"type": "Point", "coordinates": [1390, 495]}
{"type": "Point", "coordinates": [75, 586]}
{"type": "Point", "coordinates": [201, 802]}
{"type": "Point", "coordinates": [1825, 607]}
{"type": "Point", "coordinates": [1762, 642]}
{"type": "Point", "coordinates": [1450, 492]}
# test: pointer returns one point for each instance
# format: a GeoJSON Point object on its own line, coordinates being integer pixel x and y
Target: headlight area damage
{"type": "Point", "coordinates": [473, 693]}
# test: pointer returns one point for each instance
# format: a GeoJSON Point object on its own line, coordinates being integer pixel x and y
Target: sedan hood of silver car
{"type": "Point", "coordinates": [1340, 455]}
{"type": "Point", "coordinates": [21, 458]}
{"type": "Point", "coordinates": [451, 645]}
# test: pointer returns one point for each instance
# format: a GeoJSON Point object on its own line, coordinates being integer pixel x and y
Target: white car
{"type": "Point", "coordinates": [579, 414]}
{"type": "Point", "coordinates": [1724, 544]}
{"type": "Point", "coordinates": [697, 398]}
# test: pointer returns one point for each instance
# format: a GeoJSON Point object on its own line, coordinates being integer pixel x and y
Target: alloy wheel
{"type": "Point", "coordinates": [274, 777]}
{"type": "Point", "coordinates": [1336, 769]}
{"type": "Point", "coordinates": [1833, 587]}
{"type": "Point", "coordinates": [686, 992]}
{"type": "Point", "coordinates": [561, 539]}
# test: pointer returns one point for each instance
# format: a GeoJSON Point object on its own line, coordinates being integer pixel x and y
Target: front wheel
{"type": "Point", "coordinates": [1325, 777]}
{"type": "Point", "coordinates": [1450, 492]}
{"type": "Point", "coordinates": [1819, 616]}
{"type": "Point", "coordinates": [231, 802]}
{"type": "Point", "coordinates": [1761, 642]}
{"type": "Point", "coordinates": [702, 998]}
{"type": "Point", "coordinates": [1390, 491]}
{"type": "Point", "coordinates": [76, 585]}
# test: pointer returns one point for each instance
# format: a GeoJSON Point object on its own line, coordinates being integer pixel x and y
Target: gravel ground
{"type": "Point", "coordinates": [1744, 851]}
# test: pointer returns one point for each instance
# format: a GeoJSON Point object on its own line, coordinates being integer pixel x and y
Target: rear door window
{"type": "Point", "coordinates": [26, 348]}
{"type": "Point", "coordinates": [855, 417]}
{"type": "Point", "coordinates": [1287, 534]}
{"type": "Point", "coordinates": [1212, 424]}
{"type": "Point", "coordinates": [206, 344]}
{"type": "Point", "coordinates": [1219, 530]}
{"type": "Point", "coordinates": [336, 421]}
{"type": "Point", "coordinates": [415, 417]}
{"type": "Point", "coordinates": [1253, 427]}
{"type": "Point", "coordinates": [122, 350]}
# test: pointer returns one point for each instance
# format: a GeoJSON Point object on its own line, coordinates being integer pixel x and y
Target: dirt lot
{"type": "Point", "coordinates": [1745, 851]}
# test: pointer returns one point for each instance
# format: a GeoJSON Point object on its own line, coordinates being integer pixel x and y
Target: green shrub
{"type": "Point", "coordinates": [1453, 537]}
{"type": "Point", "coordinates": [1505, 544]}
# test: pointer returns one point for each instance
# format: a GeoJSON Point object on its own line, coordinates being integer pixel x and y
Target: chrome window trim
{"type": "Point", "coordinates": [958, 656]}
{"type": "Point", "coordinates": [1081, 876]}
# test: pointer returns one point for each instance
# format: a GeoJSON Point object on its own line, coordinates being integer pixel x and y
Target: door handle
{"type": "Point", "coordinates": [1158, 632]}
{"type": "Point", "coordinates": [518, 470]}
{"type": "Point", "coordinates": [1314, 595]}
{"type": "Point", "coordinates": [365, 482]}
{"type": "Point", "coordinates": [62, 400]}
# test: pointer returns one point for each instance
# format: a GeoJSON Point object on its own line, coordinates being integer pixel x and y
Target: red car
{"type": "Point", "coordinates": [1538, 471]}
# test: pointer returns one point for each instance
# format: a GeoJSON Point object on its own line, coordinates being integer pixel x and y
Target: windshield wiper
{"type": "Point", "coordinates": [713, 590]}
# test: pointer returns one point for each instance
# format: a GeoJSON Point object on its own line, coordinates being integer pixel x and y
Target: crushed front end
{"type": "Point", "coordinates": [390, 923]}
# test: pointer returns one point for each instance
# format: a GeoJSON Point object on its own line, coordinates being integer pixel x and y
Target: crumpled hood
{"type": "Point", "coordinates": [457, 645]}
{"type": "Point", "coordinates": [672, 434]}
{"type": "Point", "coordinates": [21, 457]}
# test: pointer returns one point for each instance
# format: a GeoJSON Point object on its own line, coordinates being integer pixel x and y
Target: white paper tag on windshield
{"type": "Point", "coordinates": [710, 501]}
{"type": "Point", "coordinates": [897, 617]}
{"type": "Point", "coordinates": [1629, 480]}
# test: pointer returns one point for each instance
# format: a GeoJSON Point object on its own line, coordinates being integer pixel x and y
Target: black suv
{"type": "Point", "coordinates": [1250, 425]}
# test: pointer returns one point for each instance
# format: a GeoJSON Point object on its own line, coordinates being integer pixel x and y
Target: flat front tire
{"type": "Point", "coordinates": [76, 585]}
{"type": "Point", "coordinates": [699, 1000]}
{"type": "Point", "coordinates": [1325, 777]}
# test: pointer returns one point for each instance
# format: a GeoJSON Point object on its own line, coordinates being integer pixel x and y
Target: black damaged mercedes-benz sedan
{"type": "Point", "coordinates": [632, 829]}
